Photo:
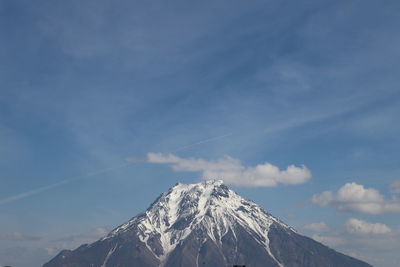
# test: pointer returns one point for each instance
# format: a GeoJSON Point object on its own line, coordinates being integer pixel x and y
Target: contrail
{"type": "Point", "coordinates": [203, 141]}
{"type": "Point", "coordinates": [66, 181]}
{"type": "Point", "coordinates": [32, 192]}
{"type": "Point", "coordinates": [276, 128]}
{"type": "Point", "coordinates": [51, 186]}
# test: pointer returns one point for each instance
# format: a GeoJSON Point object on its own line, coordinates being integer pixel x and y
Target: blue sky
{"type": "Point", "coordinates": [86, 85]}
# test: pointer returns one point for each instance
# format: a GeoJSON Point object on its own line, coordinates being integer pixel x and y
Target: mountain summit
{"type": "Point", "coordinates": [204, 224]}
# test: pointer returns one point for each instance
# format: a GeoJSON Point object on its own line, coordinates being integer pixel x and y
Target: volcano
{"type": "Point", "coordinates": [203, 224]}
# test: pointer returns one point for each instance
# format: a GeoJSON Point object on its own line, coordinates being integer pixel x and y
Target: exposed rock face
{"type": "Point", "coordinates": [203, 224]}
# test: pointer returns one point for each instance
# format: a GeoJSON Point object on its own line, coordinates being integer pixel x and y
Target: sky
{"type": "Point", "coordinates": [106, 104]}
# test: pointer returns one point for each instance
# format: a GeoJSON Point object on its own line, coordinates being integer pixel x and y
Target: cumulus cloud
{"type": "Point", "coordinates": [317, 227]}
{"type": "Point", "coordinates": [233, 172]}
{"type": "Point", "coordinates": [395, 187]}
{"type": "Point", "coordinates": [354, 197]}
{"type": "Point", "coordinates": [356, 226]}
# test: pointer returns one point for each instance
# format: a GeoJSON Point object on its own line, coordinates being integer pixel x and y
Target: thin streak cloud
{"type": "Point", "coordinates": [203, 141]}
{"type": "Point", "coordinates": [130, 160]}
{"type": "Point", "coordinates": [274, 128]}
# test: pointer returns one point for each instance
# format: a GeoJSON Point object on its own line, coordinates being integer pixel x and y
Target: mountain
{"type": "Point", "coordinates": [204, 224]}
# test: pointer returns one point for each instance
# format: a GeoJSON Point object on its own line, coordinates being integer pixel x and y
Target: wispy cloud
{"type": "Point", "coordinates": [233, 172]}
{"type": "Point", "coordinates": [329, 240]}
{"type": "Point", "coordinates": [94, 234]}
{"type": "Point", "coordinates": [18, 236]}
{"type": "Point", "coordinates": [317, 227]}
{"type": "Point", "coordinates": [354, 197]}
{"type": "Point", "coordinates": [395, 187]}
{"type": "Point", "coordinates": [75, 240]}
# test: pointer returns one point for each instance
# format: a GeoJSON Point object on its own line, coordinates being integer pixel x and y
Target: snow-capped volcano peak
{"type": "Point", "coordinates": [209, 206]}
{"type": "Point", "coordinates": [204, 224]}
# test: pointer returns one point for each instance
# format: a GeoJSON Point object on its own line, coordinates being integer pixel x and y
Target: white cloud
{"type": "Point", "coordinates": [355, 198]}
{"type": "Point", "coordinates": [317, 227]}
{"type": "Point", "coordinates": [395, 187]}
{"type": "Point", "coordinates": [233, 172]}
{"type": "Point", "coordinates": [356, 226]}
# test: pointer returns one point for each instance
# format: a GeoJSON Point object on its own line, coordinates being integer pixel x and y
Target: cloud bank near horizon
{"type": "Point", "coordinates": [233, 172]}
